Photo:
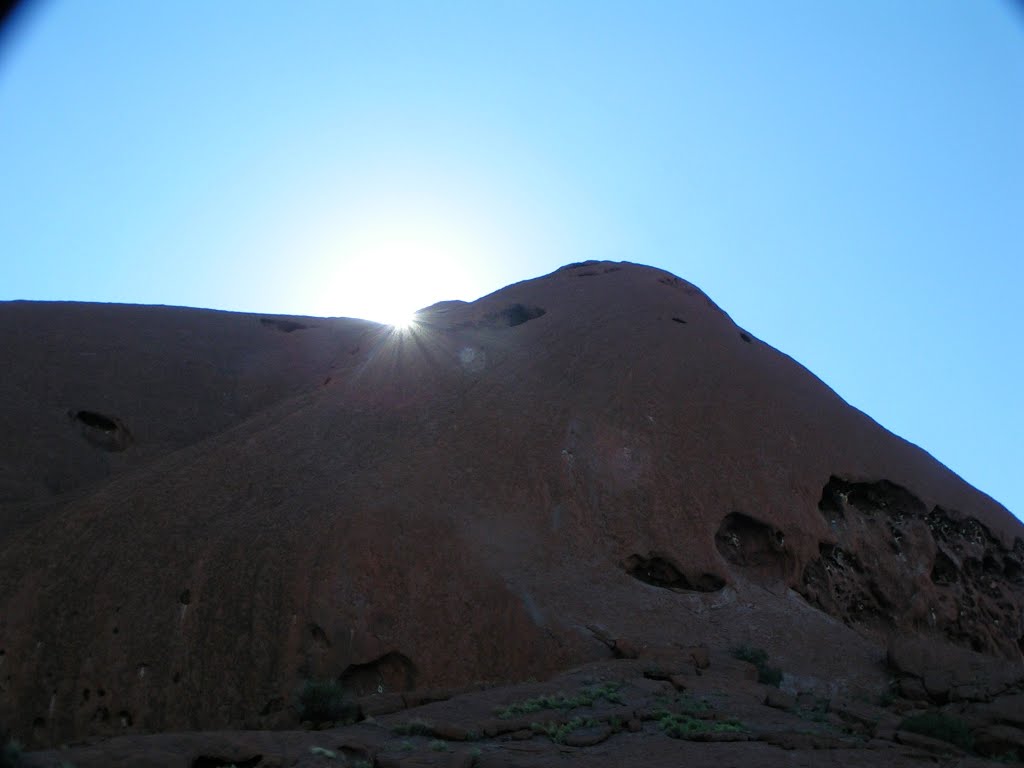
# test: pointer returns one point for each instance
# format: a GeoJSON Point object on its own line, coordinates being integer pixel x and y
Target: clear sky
{"type": "Point", "coordinates": [846, 179]}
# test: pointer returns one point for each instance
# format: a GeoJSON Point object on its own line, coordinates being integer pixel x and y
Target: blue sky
{"type": "Point", "coordinates": [846, 179]}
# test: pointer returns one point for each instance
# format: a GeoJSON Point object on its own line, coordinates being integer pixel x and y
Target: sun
{"type": "Point", "coordinates": [401, 320]}
{"type": "Point", "coordinates": [407, 242]}
{"type": "Point", "coordinates": [391, 266]}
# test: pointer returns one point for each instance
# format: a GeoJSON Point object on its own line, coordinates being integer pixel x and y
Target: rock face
{"type": "Point", "coordinates": [201, 510]}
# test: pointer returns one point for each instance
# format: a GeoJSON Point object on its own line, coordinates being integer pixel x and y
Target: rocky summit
{"type": "Point", "coordinates": [585, 518]}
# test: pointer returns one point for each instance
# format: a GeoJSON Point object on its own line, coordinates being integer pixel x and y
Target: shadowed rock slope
{"type": "Point", "coordinates": [201, 510]}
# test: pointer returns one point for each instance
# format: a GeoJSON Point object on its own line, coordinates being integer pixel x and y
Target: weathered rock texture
{"type": "Point", "coordinates": [200, 510]}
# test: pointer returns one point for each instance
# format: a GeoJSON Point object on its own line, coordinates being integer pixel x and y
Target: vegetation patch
{"type": "Point", "coordinates": [766, 673]}
{"type": "Point", "coordinates": [587, 696]}
{"type": "Point", "coordinates": [815, 714]}
{"type": "Point", "coordinates": [415, 727]}
{"type": "Point", "coordinates": [683, 726]}
{"type": "Point", "coordinates": [940, 726]}
{"type": "Point", "coordinates": [559, 732]}
{"type": "Point", "coordinates": [690, 703]}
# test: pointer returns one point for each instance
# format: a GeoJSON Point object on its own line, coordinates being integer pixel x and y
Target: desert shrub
{"type": "Point", "coordinates": [323, 701]}
{"type": "Point", "coordinates": [558, 732]}
{"type": "Point", "coordinates": [586, 697]}
{"type": "Point", "coordinates": [415, 727]}
{"type": "Point", "coordinates": [940, 726]}
{"type": "Point", "coordinates": [766, 673]}
{"type": "Point", "coordinates": [682, 726]}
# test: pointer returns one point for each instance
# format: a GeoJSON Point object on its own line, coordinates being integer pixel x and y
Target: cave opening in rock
{"type": "Point", "coordinates": [659, 571]}
{"type": "Point", "coordinates": [391, 672]}
{"type": "Point", "coordinates": [97, 421]}
{"type": "Point", "coordinates": [517, 314]}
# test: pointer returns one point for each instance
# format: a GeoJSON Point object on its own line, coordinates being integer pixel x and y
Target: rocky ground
{"type": "Point", "coordinates": [663, 706]}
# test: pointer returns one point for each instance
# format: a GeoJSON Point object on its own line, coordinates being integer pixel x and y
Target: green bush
{"type": "Point", "coordinates": [942, 727]}
{"type": "Point", "coordinates": [586, 697]}
{"type": "Point", "coordinates": [558, 733]}
{"type": "Point", "coordinates": [415, 727]}
{"type": "Point", "coordinates": [325, 701]}
{"type": "Point", "coordinates": [766, 674]}
{"type": "Point", "coordinates": [682, 726]}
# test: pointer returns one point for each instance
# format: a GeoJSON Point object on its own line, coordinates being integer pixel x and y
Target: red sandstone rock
{"type": "Point", "coordinates": [201, 510]}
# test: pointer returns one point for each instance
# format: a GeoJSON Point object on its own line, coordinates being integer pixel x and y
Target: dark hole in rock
{"type": "Point", "coordinates": [213, 761]}
{"type": "Point", "coordinates": [838, 583]}
{"type": "Point", "coordinates": [185, 597]}
{"type": "Point", "coordinates": [840, 558]}
{"type": "Point", "coordinates": [991, 566]}
{"type": "Point", "coordinates": [709, 582]}
{"type": "Point", "coordinates": [319, 636]}
{"type": "Point", "coordinates": [749, 543]}
{"type": "Point", "coordinates": [678, 320]}
{"type": "Point", "coordinates": [285, 326]}
{"type": "Point", "coordinates": [106, 432]}
{"type": "Point", "coordinates": [654, 570]}
{"type": "Point", "coordinates": [101, 692]}
{"type": "Point", "coordinates": [101, 715]}
{"type": "Point", "coordinates": [659, 571]}
{"type": "Point", "coordinates": [117, 630]}
{"type": "Point", "coordinates": [880, 496]}
{"type": "Point", "coordinates": [125, 717]}
{"type": "Point", "coordinates": [831, 502]}
{"type": "Point", "coordinates": [517, 314]}
{"type": "Point", "coordinates": [745, 337]}
{"type": "Point", "coordinates": [177, 678]}
{"type": "Point", "coordinates": [393, 671]}
{"type": "Point", "coordinates": [944, 571]}
{"type": "Point", "coordinates": [39, 722]}
{"type": "Point", "coordinates": [97, 421]}
{"type": "Point", "coordinates": [1011, 568]}
{"type": "Point", "coordinates": [85, 694]}
{"type": "Point", "coordinates": [511, 316]}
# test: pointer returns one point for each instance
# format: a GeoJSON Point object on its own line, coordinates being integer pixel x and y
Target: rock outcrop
{"type": "Point", "coordinates": [201, 510]}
